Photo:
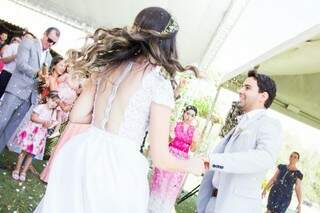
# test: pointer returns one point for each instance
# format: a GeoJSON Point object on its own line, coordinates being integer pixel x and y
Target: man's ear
{"type": "Point", "coordinates": [264, 96]}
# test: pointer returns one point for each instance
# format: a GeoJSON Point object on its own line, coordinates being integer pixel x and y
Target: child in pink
{"type": "Point", "coordinates": [32, 136]}
{"type": "Point", "coordinates": [165, 185]}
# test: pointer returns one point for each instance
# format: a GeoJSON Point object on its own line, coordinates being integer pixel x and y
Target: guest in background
{"type": "Point", "coordinates": [9, 55]}
{"type": "Point", "coordinates": [21, 92]}
{"type": "Point", "coordinates": [32, 137]}
{"type": "Point", "coordinates": [3, 40]}
{"type": "Point", "coordinates": [167, 185]}
{"type": "Point", "coordinates": [285, 178]}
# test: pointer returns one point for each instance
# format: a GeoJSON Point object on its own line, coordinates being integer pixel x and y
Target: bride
{"type": "Point", "coordinates": [101, 170]}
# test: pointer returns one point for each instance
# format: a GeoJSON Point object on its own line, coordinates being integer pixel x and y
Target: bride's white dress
{"type": "Point", "coordinates": [100, 172]}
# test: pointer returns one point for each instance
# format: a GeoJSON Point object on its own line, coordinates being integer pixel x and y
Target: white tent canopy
{"type": "Point", "coordinates": [215, 36]}
{"type": "Point", "coordinates": [198, 20]}
{"type": "Point", "coordinates": [295, 66]}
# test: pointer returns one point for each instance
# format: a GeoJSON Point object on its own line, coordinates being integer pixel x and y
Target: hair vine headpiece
{"type": "Point", "coordinates": [171, 27]}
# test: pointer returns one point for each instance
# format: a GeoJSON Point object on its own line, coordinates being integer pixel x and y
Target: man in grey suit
{"type": "Point", "coordinates": [21, 92]}
{"type": "Point", "coordinates": [240, 161]}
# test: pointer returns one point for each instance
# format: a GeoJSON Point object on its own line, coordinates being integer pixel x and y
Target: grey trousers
{"type": "Point", "coordinates": [204, 201]}
{"type": "Point", "coordinates": [12, 111]}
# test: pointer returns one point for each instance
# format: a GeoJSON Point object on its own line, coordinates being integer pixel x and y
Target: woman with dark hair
{"type": "Point", "coordinates": [48, 78]}
{"type": "Point", "coordinates": [167, 185]}
{"type": "Point", "coordinates": [101, 169]}
{"type": "Point", "coordinates": [282, 184]}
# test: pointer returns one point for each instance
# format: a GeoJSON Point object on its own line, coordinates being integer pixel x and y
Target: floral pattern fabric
{"type": "Point", "coordinates": [32, 136]}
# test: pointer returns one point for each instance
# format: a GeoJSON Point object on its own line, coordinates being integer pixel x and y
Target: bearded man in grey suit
{"type": "Point", "coordinates": [21, 92]}
{"type": "Point", "coordinates": [240, 161]}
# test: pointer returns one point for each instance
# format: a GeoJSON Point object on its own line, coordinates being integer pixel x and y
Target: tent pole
{"type": "Point", "coordinates": [211, 112]}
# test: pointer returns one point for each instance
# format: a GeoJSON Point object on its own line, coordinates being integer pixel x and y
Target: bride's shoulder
{"type": "Point", "coordinates": [158, 75]}
{"type": "Point", "coordinates": [92, 80]}
{"type": "Point", "coordinates": [160, 88]}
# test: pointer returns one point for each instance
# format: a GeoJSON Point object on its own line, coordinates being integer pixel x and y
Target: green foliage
{"type": "Point", "coordinates": [203, 105]}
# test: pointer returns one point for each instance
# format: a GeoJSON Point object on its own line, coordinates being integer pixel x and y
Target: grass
{"type": "Point", "coordinates": [18, 197]}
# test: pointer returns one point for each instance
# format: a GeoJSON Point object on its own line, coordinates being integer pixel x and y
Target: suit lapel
{"type": "Point", "coordinates": [240, 128]}
{"type": "Point", "coordinates": [38, 51]}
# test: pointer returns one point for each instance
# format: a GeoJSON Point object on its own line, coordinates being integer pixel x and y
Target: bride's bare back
{"type": "Point", "coordinates": [120, 100]}
{"type": "Point", "coordinates": [142, 100]}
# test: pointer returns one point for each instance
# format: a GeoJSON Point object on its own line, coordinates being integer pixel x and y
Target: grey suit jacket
{"type": "Point", "coordinates": [23, 82]}
{"type": "Point", "coordinates": [243, 157]}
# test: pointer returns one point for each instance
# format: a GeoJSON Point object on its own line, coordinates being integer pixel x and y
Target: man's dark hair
{"type": "Point", "coordinates": [53, 29]}
{"type": "Point", "coordinates": [265, 84]}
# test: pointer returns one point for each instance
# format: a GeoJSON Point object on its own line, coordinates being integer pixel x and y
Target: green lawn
{"type": "Point", "coordinates": [18, 197]}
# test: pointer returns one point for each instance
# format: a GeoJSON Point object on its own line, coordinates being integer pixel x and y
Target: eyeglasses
{"type": "Point", "coordinates": [51, 41]}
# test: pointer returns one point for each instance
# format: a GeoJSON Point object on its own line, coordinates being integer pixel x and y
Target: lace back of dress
{"type": "Point", "coordinates": [111, 97]}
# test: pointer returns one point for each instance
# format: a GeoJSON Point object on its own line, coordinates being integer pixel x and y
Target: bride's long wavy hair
{"type": "Point", "coordinates": [152, 36]}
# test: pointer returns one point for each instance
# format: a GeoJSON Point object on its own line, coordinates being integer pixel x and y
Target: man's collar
{"type": "Point", "coordinates": [41, 47]}
{"type": "Point", "coordinates": [250, 114]}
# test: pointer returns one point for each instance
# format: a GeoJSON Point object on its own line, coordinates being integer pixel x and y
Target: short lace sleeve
{"type": "Point", "coordinates": [162, 92]}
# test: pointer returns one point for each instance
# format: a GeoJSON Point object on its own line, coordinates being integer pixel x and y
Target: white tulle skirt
{"type": "Point", "coordinates": [97, 172]}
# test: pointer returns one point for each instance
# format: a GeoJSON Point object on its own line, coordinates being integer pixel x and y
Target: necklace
{"type": "Point", "coordinates": [283, 177]}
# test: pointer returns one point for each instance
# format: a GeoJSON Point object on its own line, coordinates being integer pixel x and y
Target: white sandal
{"type": "Point", "coordinates": [15, 175]}
{"type": "Point", "coordinates": [23, 176]}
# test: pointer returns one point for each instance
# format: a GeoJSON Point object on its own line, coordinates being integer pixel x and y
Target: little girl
{"type": "Point", "coordinates": [32, 137]}
{"type": "Point", "coordinates": [68, 89]}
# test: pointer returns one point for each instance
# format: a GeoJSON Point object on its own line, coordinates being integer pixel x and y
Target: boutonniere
{"type": "Point", "coordinates": [238, 130]}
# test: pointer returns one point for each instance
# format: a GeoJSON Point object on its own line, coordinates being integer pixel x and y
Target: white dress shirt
{"type": "Point", "coordinates": [10, 50]}
{"type": "Point", "coordinates": [43, 54]}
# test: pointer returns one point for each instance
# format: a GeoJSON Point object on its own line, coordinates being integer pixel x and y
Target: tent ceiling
{"type": "Point", "coordinates": [193, 17]}
{"type": "Point", "coordinates": [297, 74]}
{"type": "Point", "coordinates": [302, 59]}
{"type": "Point", "coordinates": [294, 65]}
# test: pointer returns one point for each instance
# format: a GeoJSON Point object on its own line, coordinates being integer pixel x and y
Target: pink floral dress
{"type": "Point", "coordinates": [165, 185]}
{"type": "Point", "coordinates": [32, 136]}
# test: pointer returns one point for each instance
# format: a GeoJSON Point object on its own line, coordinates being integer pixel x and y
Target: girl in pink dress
{"type": "Point", "coordinates": [68, 89]}
{"type": "Point", "coordinates": [32, 137]}
{"type": "Point", "coordinates": [166, 185]}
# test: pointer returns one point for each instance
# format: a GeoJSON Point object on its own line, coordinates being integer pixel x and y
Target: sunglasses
{"type": "Point", "coordinates": [51, 41]}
